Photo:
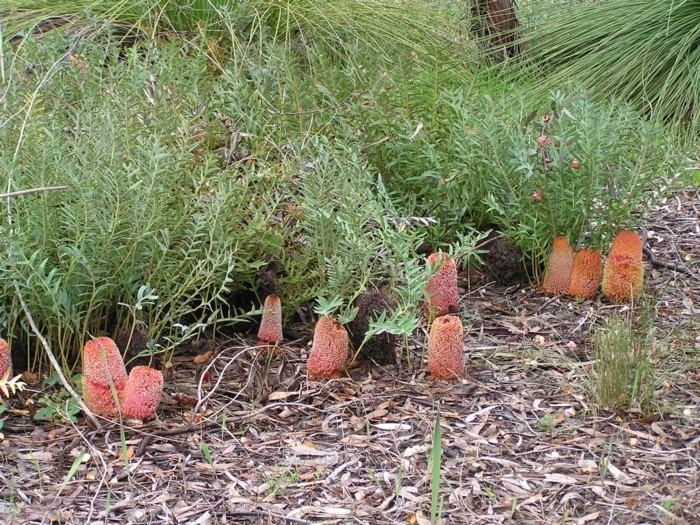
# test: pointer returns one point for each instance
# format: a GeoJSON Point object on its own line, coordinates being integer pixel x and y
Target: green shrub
{"type": "Point", "coordinates": [182, 182]}
{"type": "Point", "coordinates": [353, 236]}
{"type": "Point", "coordinates": [152, 229]}
{"type": "Point", "coordinates": [467, 157]}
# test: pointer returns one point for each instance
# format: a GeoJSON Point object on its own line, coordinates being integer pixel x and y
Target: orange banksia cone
{"type": "Point", "coordinates": [142, 393]}
{"type": "Point", "coordinates": [270, 331]}
{"type": "Point", "coordinates": [102, 361]}
{"type": "Point", "coordinates": [623, 275]}
{"type": "Point", "coordinates": [446, 348]}
{"type": "Point", "coordinates": [5, 360]}
{"type": "Point", "coordinates": [585, 275]}
{"type": "Point", "coordinates": [329, 350]}
{"type": "Point", "coordinates": [441, 289]}
{"type": "Point", "coordinates": [558, 274]}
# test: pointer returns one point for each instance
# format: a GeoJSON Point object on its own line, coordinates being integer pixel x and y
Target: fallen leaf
{"type": "Point", "coordinates": [202, 358]}
{"type": "Point", "coordinates": [560, 478]}
{"type": "Point", "coordinates": [392, 426]}
{"type": "Point", "coordinates": [587, 518]}
{"type": "Point", "coordinates": [276, 396]}
{"type": "Point", "coordinates": [618, 475]}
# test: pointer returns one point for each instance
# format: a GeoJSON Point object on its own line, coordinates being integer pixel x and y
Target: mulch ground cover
{"type": "Point", "coordinates": [245, 437]}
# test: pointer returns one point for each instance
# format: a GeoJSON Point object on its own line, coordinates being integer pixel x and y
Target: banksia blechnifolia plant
{"type": "Point", "coordinates": [441, 290]}
{"type": "Point", "coordinates": [270, 331]}
{"type": "Point", "coordinates": [329, 350]}
{"type": "Point", "coordinates": [585, 275]}
{"type": "Point", "coordinates": [142, 393]}
{"type": "Point", "coordinates": [380, 348]}
{"type": "Point", "coordinates": [623, 275]}
{"type": "Point", "coordinates": [558, 274]}
{"type": "Point", "coordinates": [5, 360]}
{"type": "Point", "coordinates": [102, 362]}
{"type": "Point", "coordinates": [446, 348]}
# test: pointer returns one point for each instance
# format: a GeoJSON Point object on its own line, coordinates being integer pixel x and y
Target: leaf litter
{"type": "Point", "coordinates": [522, 440]}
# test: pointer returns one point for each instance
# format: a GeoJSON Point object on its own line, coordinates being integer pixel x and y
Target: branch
{"type": "Point", "coordinates": [53, 360]}
{"type": "Point", "coordinates": [32, 190]}
{"type": "Point", "coordinates": [655, 261]}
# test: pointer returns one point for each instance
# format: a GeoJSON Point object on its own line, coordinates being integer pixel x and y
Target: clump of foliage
{"type": "Point", "coordinates": [575, 167]}
{"type": "Point", "coordinates": [645, 53]}
{"type": "Point", "coordinates": [152, 230]}
{"type": "Point", "coordinates": [278, 131]}
{"type": "Point", "coordinates": [623, 369]}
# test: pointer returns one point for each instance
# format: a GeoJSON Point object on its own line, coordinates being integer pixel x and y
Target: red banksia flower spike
{"type": "Point", "coordinates": [628, 244]}
{"type": "Point", "coordinates": [329, 350]}
{"type": "Point", "coordinates": [5, 360]}
{"type": "Point", "coordinates": [102, 361]}
{"type": "Point", "coordinates": [446, 348]}
{"type": "Point", "coordinates": [441, 289]}
{"type": "Point", "coordinates": [585, 274]}
{"type": "Point", "coordinates": [623, 274]}
{"type": "Point", "coordinates": [270, 332]}
{"type": "Point", "coordinates": [559, 266]}
{"type": "Point", "coordinates": [142, 393]}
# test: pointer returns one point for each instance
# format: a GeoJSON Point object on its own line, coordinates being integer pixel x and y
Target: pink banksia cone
{"type": "Point", "coordinates": [585, 275]}
{"type": "Point", "coordinates": [142, 393]}
{"type": "Point", "coordinates": [623, 275]}
{"type": "Point", "coordinates": [329, 350]}
{"type": "Point", "coordinates": [102, 361]}
{"type": "Point", "coordinates": [558, 274]}
{"type": "Point", "coordinates": [441, 289]}
{"type": "Point", "coordinates": [5, 360]}
{"type": "Point", "coordinates": [270, 332]}
{"type": "Point", "coordinates": [446, 348]}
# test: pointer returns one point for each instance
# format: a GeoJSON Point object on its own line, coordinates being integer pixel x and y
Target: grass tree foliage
{"type": "Point", "coordinates": [644, 52]}
{"type": "Point", "coordinates": [301, 26]}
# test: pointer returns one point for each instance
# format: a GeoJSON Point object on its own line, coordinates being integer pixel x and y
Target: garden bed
{"type": "Point", "coordinates": [522, 441]}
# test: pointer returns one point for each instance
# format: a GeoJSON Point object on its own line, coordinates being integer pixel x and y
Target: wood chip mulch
{"type": "Point", "coordinates": [522, 439]}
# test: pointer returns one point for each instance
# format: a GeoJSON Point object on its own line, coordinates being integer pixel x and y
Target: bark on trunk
{"type": "Point", "coordinates": [496, 25]}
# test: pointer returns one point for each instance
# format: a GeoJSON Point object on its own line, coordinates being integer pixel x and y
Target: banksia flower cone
{"type": "Point", "coordinates": [585, 275]}
{"type": "Point", "coordinates": [5, 360]}
{"type": "Point", "coordinates": [102, 361]}
{"type": "Point", "coordinates": [142, 393]}
{"type": "Point", "coordinates": [558, 274]}
{"type": "Point", "coordinates": [329, 350]}
{"type": "Point", "coordinates": [446, 348]}
{"type": "Point", "coordinates": [623, 275]}
{"type": "Point", "coordinates": [270, 331]}
{"type": "Point", "coordinates": [441, 290]}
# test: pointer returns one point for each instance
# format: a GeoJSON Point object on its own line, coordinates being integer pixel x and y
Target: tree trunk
{"type": "Point", "coordinates": [495, 23]}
